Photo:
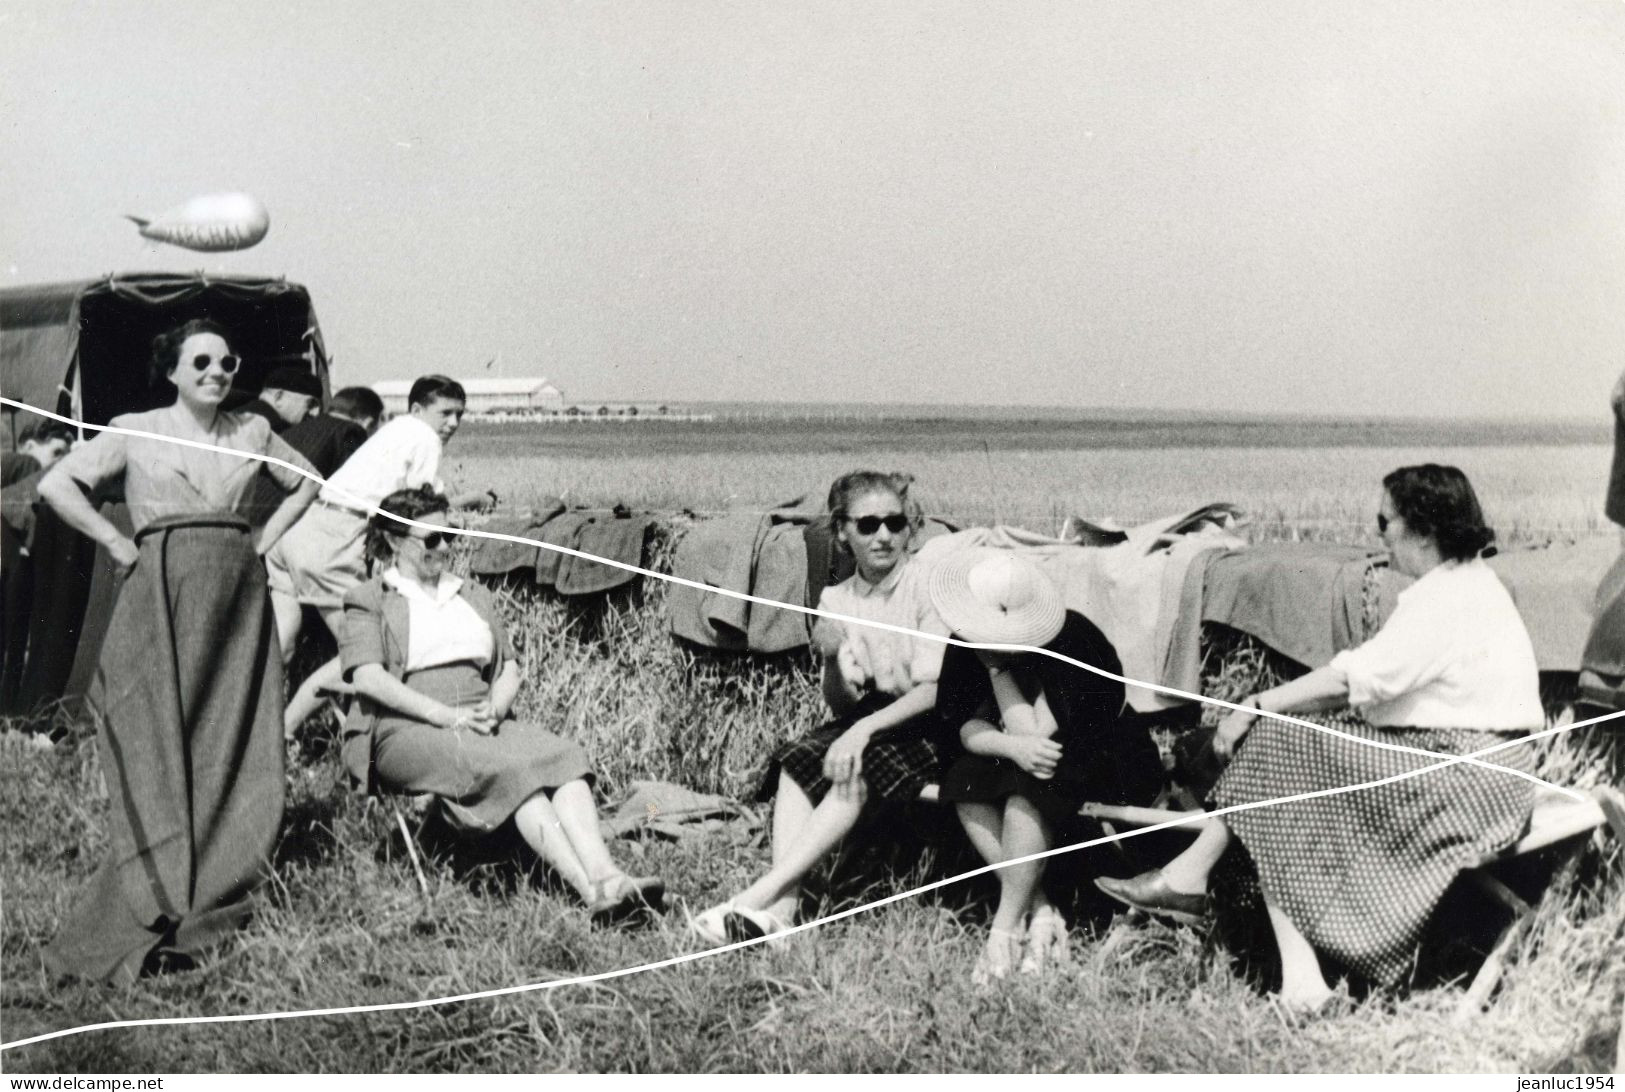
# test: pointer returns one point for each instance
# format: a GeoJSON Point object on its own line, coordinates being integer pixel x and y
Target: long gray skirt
{"type": "Point", "coordinates": [188, 695]}
{"type": "Point", "coordinates": [481, 779]}
{"type": "Point", "coordinates": [1360, 873]}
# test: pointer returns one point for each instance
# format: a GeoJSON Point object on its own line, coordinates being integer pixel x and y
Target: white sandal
{"type": "Point", "coordinates": [998, 957]}
{"type": "Point", "coordinates": [1046, 942]}
{"type": "Point", "coordinates": [743, 923]}
{"type": "Point", "coordinates": [711, 925]}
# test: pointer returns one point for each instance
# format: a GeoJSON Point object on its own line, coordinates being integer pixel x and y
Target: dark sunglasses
{"type": "Point", "coordinates": [868, 525]}
{"type": "Point", "coordinates": [431, 541]}
{"type": "Point", "coordinates": [228, 363]}
{"type": "Point", "coordinates": [1382, 524]}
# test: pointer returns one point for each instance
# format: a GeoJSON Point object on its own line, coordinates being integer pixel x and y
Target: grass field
{"type": "Point", "coordinates": [344, 923]}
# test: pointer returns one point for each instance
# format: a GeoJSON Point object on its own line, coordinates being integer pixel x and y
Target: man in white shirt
{"type": "Point", "coordinates": [323, 555]}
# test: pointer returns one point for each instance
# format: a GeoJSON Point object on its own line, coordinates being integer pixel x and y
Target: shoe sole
{"type": "Point", "coordinates": [1183, 917]}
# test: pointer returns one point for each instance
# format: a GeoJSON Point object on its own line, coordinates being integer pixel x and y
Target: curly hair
{"type": "Point", "coordinates": [849, 488]}
{"type": "Point", "coordinates": [408, 504]}
{"type": "Point", "coordinates": [166, 348]}
{"type": "Point", "coordinates": [1439, 501]}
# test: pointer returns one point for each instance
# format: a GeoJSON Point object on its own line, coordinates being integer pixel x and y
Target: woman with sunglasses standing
{"type": "Point", "coordinates": [189, 688]}
{"type": "Point", "coordinates": [436, 678]}
{"type": "Point", "coordinates": [882, 687]}
{"type": "Point", "coordinates": [1356, 875]}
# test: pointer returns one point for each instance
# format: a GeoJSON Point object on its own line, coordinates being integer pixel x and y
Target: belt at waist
{"type": "Point", "coordinates": [197, 519]}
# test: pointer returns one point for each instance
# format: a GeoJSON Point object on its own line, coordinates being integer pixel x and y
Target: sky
{"type": "Point", "coordinates": [1253, 206]}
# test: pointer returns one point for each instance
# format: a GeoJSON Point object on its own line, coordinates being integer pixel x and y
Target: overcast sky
{"type": "Point", "coordinates": [1392, 207]}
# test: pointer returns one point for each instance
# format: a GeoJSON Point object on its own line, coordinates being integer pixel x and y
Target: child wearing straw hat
{"type": "Point", "coordinates": [1027, 737]}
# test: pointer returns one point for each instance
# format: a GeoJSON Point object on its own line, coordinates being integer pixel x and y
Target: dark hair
{"type": "Point", "coordinates": [43, 432]}
{"type": "Point", "coordinates": [849, 487]}
{"type": "Point", "coordinates": [429, 387]}
{"type": "Point", "coordinates": [357, 402]}
{"type": "Point", "coordinates": [166, 348]}
{"type": "Point", "coordinates": [408, 504]}
{"type": "Point", "coordinates": [1438, 501]}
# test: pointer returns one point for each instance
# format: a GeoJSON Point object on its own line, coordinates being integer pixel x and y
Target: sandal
{"type": "Point", "coordinates": [998, 957]}
{"type": "Point", "coordinates": [744, 923]}
{"type": "Point", "coordinates": [620, 896]}
{"type": "Point", "coordinates": [711, 925]}
{"type": "Point", "coordinates": [1046, 941]}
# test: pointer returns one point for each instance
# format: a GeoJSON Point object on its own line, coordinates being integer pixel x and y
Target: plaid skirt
{"type": "Point", "coordinates": [896, 765]}
{"type": "Point", "coordinates": [1360, 873]}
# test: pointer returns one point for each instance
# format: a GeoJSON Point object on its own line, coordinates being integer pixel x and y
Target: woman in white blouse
{"type": "Point", "coordinates": [1355, 876]}
{"type": "Point", "coordinates": [436, 678]}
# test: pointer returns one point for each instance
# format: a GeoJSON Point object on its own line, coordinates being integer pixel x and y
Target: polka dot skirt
{"type": "Point", "coordinates": [1361, 872]}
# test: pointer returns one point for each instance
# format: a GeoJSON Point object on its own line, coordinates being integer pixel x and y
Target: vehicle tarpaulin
{"type": "Point", "coordinates": [82, 349]}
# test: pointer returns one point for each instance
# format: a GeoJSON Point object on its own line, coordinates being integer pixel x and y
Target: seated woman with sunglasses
{"type": "Point", "coordinates": [1356, 875]}
{"type": "Point", "coordinates": [435, 679]}
{"type": "Point", "coordinates": [189, 694]}
{"type": "Point", "coordinates": [882, 688]}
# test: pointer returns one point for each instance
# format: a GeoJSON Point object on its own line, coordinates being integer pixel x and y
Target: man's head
{"type": "Point", "coordinates": [47, 442]}
{"type": "Point", "coordinates": [438, 402]}
{"type": "Point", "coordinates": [359, 404]}
{"type": "Point", "coordinates": [292, 392]}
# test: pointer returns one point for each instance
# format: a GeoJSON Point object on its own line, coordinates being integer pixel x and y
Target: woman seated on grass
{"type": "Point", "coordinates": [881, 686]}
{"type": "Point", "coordinates": [435, 679]}
{"type": "Point", "coordinates": [1357, 875]}
{"type": "Point", "coordinates": [1036, 737]}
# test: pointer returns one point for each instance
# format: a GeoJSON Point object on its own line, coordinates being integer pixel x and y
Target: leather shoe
{"type": "Point", "coordinates": [1150, 892]}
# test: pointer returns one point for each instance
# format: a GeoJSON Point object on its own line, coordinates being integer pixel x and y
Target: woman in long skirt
{"type": "Point", "coordinates": [1356, 875]}
{"type": "Point", "coordinates": [189, 688]}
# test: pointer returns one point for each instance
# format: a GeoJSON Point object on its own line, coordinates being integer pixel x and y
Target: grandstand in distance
{"type": "Point", "coordinates": [484, 395]}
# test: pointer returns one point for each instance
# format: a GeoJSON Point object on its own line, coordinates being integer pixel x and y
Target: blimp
{"type": "Point", "coordinates": [211, 222]}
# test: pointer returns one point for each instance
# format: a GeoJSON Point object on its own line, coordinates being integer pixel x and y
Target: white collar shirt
{"type": "Point", "coordinates": [404, 454]}
{"type": "Point", "coordinates": [443, 627]}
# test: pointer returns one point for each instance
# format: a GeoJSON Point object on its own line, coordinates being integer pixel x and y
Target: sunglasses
{"type": "Point", "coordinates": [228, 363]}
{"type": "Point", "coordinates": [868, 525]}
{"type": "Point", "coordinates": [431, 541]}
{"type": "Point", "coordinates": [1382, 524]}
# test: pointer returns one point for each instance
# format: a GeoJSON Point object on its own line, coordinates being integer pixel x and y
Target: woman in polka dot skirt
{"type": "Point", "coordinates": [1356, 875]}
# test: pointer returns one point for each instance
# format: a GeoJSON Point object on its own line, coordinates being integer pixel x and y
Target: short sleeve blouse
{"type": "Point", "coordinates": [896, 662]}
{"type": "Point", "coordinates": [161, 479]}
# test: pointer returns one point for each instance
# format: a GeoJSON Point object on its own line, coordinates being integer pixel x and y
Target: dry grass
{"type": "Point", "coordinates": [885, 991]}
{"type": "Point", "coordinates": [343, 923]}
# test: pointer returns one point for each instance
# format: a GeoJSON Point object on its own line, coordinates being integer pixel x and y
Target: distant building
{"type": "Point", "coordinates": [484, 395]}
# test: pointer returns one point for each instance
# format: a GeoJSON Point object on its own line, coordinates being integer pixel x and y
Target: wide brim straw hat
{"type": "Point", "coordinates": [995, 597]}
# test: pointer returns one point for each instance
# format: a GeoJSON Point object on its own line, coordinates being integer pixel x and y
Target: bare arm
{"type": "Point", "coordinates": [1321, 689]}
{"type": "Point", "coordinates": [287, 513]}
{"type": "Point", "coordinates": [504, 689]}
{"type": "Point", "coordinates": [67, 500]}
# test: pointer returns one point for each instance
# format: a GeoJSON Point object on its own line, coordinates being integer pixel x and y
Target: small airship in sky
{"type": "Point", "coordinates": [214, 221]}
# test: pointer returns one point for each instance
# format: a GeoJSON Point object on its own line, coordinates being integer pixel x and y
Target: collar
{"type": "Point", "coordinates": [885, 584]}
{"type": "Point", "coordinates": [444, 592]}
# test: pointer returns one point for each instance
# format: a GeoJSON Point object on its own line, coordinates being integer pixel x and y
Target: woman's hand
{"type": "Point", "coordinates": [1034, 754]}
{"type": "Point", "coordinates": [851, 668]}
{"type": "Point", "coordinates": [479, 717]}
{"type": "Point", "coordinates": [1233, 728]}
{"type": "Point", "coordinates": [124, 553]}
{"type": "Point", "coordinates": [843, 762]}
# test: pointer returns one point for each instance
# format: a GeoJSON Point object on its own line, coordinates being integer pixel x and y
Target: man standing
{"type": "Point", "coordinates": [38, 447]}
{"type": "Point", "coordinates": [289, 394]}
{"type": "Point", "coordinates": [326, 439]}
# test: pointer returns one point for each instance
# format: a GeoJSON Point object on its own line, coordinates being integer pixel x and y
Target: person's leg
{"type": "Point", "coordinates": [578, 814]}
{"type": "Point", "coordinates": [333, 619]}
{"type": "Point", "coordinates": [796, 854]}
{"type": "Point", "coordinates": [984, 826]}
{"type": "Point", "coordinates": [1303, 985]}
{"type": "Point", "coordinates": [1187, 873]}
{"type": "Point", "coordinates": [289, 617]}
{"type": "Point", "coordinates": [539, 826]}
{"type": "Point", "coordinates": [325, 680]}
{"type": "Point", "coordinates": [792, 810]}
{"type": "Point", "coordinates": [1025, 833]}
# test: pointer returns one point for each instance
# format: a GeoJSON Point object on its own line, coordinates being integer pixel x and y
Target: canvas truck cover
{"type": "Point", "coordinates": [82, 349]}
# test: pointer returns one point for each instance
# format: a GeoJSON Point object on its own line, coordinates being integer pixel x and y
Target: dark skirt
{"type": "Point", "coordinates": [188, 695]}
{"type": "Point", "coordinates": [1360, 873]}
{"type": "Point", "coordinates": [1118, 764]}
{"type": "Point", "coordinates": [480, 779]}
{"type": "Point", "coordinates": [896, 765]}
